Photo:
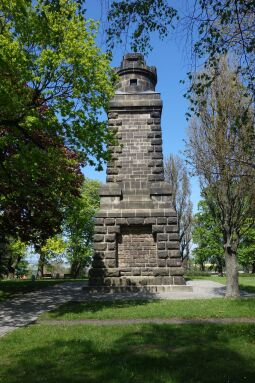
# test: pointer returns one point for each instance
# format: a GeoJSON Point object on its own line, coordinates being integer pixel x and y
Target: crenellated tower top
{"type": "Point", "coordinates": [135, 76]}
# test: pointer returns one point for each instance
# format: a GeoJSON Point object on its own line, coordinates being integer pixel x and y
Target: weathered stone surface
{"type": "Point", "coordinates": [136, 240]}
{"type": "Point", "coordinates": [99, 246]}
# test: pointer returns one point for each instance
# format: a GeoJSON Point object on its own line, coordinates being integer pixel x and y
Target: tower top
{"type": "Point", "coordinates": [135, 76]}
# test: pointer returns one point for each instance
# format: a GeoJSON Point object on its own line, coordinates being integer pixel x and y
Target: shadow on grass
{"type": "Point", "coordinates": [96, 306]}
{"type": "Point", "coordinates": [248, 289]}
{"type": "Point", "coordinates": [137, 354]}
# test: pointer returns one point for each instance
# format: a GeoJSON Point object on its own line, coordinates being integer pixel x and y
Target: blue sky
{"type": "Point", "coordinates": [171, 61]}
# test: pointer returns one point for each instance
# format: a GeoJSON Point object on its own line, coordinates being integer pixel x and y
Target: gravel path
{"type": "Point", "coordinates": [25, 309]}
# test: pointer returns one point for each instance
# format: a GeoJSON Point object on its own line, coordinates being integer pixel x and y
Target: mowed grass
{"type": "Point", "coordinates": [119, 309]}
{"type": "Point", "coordinates": [9, 288]}
{"type": "Point", "coordinates": [129, 354]}
{"type": "Point", "coordinates": [246, 283]}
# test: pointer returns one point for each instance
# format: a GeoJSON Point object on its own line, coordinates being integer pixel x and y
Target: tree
{"type": "Point", "coordinates": [212, 28]}
{"type": "Point", "coordinates": [215, 149]}
{"type": "Point", "coordinates": [246, 250]}
{"type": "Point", "coordinates": [53, 249]}
{"type": "Point", "coordinates": [207, 235]}
{"type": "Point", "coordinates": [14, 252]}
{"type": "Point", "coordinates": [78, 226]}
{"type": "Point", "coordinates": [177, 176]}
{"type": "Point", "coordinates": [54, 85]}
{"type": "Point", "coordinates": [60, 70]}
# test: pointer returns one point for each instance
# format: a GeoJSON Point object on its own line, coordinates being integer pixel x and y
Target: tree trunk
{"type": "Point", "coordinates": [253, 268]}
{"type": "Point", "coordinates": [232, 290]}
{"type": "Point", "coordinates": [4, 256]}
{"type": "Point", "coordinates": [75, 269]}
{"type": "Point", "coordinates": [41, 264]}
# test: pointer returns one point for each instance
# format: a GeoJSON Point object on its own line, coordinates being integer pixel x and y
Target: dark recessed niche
{"type": "Point", "coordinates": [133, 81]}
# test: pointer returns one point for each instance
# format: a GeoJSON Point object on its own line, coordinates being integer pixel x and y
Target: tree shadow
{"type": "Point", "coordinates": [137, 354]}
{"type": "Point", "coordinates": [95, 306]}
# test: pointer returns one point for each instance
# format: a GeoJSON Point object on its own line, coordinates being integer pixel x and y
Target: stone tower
{"type": "Point", "coordinates": [136, 241]}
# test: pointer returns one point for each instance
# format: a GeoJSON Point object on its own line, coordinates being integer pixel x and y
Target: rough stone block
{"type": "Point", "coordinates": [172, 220]}
{"type": "Point", "coordinates": [111, 246]}
{"type": "Point", "coordinates": [112, 272]}
{"type": "Point", "coordinates": [171, 229]}
{"type": "Point", "coordinates": [161, 221]}
{"type": "Point", "coordinates": [110, 238]}
{"type": "Point", "coordinates": [176, 271]}
{"type": "Point", "coordinates": [174, 253]}
{"type": "Point", "coordinates": [161, 263]}
{"type": "Point", "coordinates": [161, 272]}
{"type": "Point", "coordinates": [173, 245]}
{"type": "Point", "coordinates": [155, 115]}
{"type": "Point", "coordinates": [109, 221]}
{"type": "Point", "coordinates": [135, 221]}
{"type": "Point", "coordinates": [121, 221]}
{"type": "Point", "coordinates": [162, 254]}
{"type": "Point", "coordinates": [113, 229]}
{"type": "Point", "coordinates": [98, 237]}
{"type": "Point", "coordinates": [99, 221]}
{"type": "Point", "coordinates": [162, 237]}
{"type": "Point", "coordinates": [110, 263]}
{"type": "Point", "coordinates": [167, 280]}
{"type": "Point", "coordinates": [173, 237]}
{"type": "Point", "coordinates": [136, 271]}
{"type": "Point", "coordinates": [174, 262]}
{"type": "Point", "coordinates": [99, 246]}
{"type": "Point", "coordinates": [110, 255]}
{"type": "Point", "coordinates": [178, 280]}
{"type": "Point", "coordinates": [157, 229]}
{"type": "Point", "coordinates": [100, 229]}
{"type": "Point", "coordinates": [150, 220]}
{"type": "Point", "coordinates": [161, 246]}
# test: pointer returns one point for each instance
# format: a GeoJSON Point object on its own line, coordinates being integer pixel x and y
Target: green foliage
{"type": "Point", "coordinates": [79, 226]}
{"type": "Point", "coordinates": [139, 18]}
{"type": "Point", "coordinates": [246, 250]}
{"type": "Point", "coordinates": [50, 63]}
{"type": "Point", "coordinates": [22, 268]}
{"type": "Point", "coordinates": [54, 85]}
{"type": "Point", "coordinates": [208, 238]}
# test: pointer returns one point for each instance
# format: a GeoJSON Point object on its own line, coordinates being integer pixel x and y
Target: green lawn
{"type": "Point", "coordinates": [9, 288]}
{"type": "Point", "coordinates": [246, 283]}
{"type": "Point", "coordinates": [199, 308]}
{"type": "Point", "coordinates": [129, 354]}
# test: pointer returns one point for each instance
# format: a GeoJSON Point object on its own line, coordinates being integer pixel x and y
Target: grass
{"type": "Point", "coordinates": [246, 283]}
{"type": "Point", "coordinates": [129, 354]}
{"type": "Point", "coordinates": [199, 308]}
{"type": "Point", "coordinates": [9, 288]}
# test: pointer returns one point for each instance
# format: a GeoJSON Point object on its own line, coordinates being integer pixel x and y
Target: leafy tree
{"type": "Point", "coordinates": [207, 235]}
{"type": "Point", "coordinates": [14, 251]}
{"type": "Point", "coordinates": [54, 84]}
{"type": "Point", "coordinates": [176, 175]}
{"type": "Point", "coordinates": [53, 250]}
{"type": "Point", "coordinates": [50, 63]}
{"type": "Point", "coordinates": [216, 151]}
{"type": "Point", "coordinates": [136, 20]}
{"type": "Point", "coordinates": [246, 250]}
{"type": "Point", "coordinates": [79, 226]}
{"type": "Point", "coordinates": [212, 28]}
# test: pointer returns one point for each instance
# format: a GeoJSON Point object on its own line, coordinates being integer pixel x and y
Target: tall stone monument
{"type": "Point", "coordinates": [136, 242]}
